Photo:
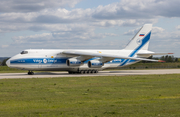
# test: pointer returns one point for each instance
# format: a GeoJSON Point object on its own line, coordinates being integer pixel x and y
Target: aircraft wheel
{"type": "Point", "coordinates": [96, 71]}
{"type": "Point", "coordinates": [89, 71]}
{"type": "Point", "coordinates": [82, 72]}
{"type": "Point", "coordinates": [85, 72]}
{"type": "Point", "coordinates": [92, 71]}
{"type": "Point", "coordinates": [30, 73]}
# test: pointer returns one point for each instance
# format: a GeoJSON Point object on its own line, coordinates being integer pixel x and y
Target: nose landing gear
{"type": "Point", "coordinates": [30, 73]}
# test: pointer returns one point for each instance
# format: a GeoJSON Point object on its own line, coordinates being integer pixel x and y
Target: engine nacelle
{"type": "Point", "coordinates": [73, 62]}
{"type": "Point", "coordinates": [95, 64]}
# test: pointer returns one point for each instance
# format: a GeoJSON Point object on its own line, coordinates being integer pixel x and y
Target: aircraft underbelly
{"type": "Point", "coordinates": [40, 66]}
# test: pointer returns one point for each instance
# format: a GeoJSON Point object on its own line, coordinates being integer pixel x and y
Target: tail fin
{"type": "Point", "coordinates": [141, 40]}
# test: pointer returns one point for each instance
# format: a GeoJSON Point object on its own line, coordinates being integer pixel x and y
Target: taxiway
{"type": "Point", "coordinates": [101, 73]}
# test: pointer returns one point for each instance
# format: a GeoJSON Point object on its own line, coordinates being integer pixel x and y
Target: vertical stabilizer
{"type": "Point", "coordinates": [141, 40]}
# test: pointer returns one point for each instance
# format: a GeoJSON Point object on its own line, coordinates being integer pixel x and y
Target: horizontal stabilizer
{"type": "Point", "coordinates": [141, 54]}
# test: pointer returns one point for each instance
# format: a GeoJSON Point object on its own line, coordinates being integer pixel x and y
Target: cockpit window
{"type": "Point", "coordinates": [24, 52]}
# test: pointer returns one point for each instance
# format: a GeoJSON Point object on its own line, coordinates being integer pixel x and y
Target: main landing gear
{"type": "Point", "coordinates": [30, 73]}
{"type": "Point", "coordinates": [83, 72]}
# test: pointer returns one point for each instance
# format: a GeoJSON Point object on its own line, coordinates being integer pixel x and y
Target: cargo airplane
{"type": "Point", "coordinates": [85, 61]}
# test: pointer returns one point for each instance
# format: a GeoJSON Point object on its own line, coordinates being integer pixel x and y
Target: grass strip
{"type": "Point", "coordinates": [106, 96]}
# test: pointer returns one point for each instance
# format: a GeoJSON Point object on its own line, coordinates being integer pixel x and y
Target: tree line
{"type": "Point", "coordinates": [169, 58]}
{"type": "Point", "coordinates": [166, 58]}
{"type": "Point", "coordinates": [4, 62]}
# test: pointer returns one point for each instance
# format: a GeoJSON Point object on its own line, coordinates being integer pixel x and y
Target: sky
{"type": "Point", "coordinates": [86, 24]}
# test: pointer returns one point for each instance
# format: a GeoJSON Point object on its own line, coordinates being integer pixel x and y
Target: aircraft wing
{"type": "Point", "coordinates": [106, 56]}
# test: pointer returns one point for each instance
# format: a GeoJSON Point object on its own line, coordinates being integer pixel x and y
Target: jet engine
{"type": "Point", "coordinates": [95, 64]}
{"type": "Point", "coordinates": [73, 62]}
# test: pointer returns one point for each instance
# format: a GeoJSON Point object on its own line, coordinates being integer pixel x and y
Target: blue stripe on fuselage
{"type": "Point", "coordinates": [57, 61]}
{"type": "Point", "coordinates": [39, 61]}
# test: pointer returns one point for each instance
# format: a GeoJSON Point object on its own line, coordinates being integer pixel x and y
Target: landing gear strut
{"type": "Point", "coordinates": [30, 73]}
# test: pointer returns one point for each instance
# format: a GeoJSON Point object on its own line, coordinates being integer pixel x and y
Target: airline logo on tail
{"type": "Point", "coordinates": [139, 41]}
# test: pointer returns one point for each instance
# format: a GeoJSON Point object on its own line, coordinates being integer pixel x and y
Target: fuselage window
{"type": "Point", "coordinates": [24, 52]}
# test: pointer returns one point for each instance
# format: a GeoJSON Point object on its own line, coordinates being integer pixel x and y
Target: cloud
{"type": "Point", "coordinates": [4, 46]}
{"type": "Point", "coordinates": [138, 9]}
{"type": "Point", "coordinates": [125, 9]}
{"type": "Point", "coordinates": [34, 5]}
{"type": "Point", "coordinates": [124, 13]}
{"type": "Point", "coordinates": [76, 27]}
{"type": "Point", "coordinates": [132, 32]}
{"type": "Point", "coordinates": [159, 32]}
{"type": "Point", "coordinates": [46, 19]}
{"type": "Point", "coordinates": [165, 41]}
{"type": "Point", "coordinates": [178, 27]}
{"type": "Point", "coordinates": [155, 30]}
{"type": "Point", "coordinates": [168, 36]}
{"type": "Point", "coordinates": [74, 37]}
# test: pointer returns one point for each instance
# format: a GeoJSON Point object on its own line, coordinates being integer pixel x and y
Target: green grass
{"type": "Point", "coordinates": [6, 69]}
{"type": "Point", "coordinates": [107, 96]}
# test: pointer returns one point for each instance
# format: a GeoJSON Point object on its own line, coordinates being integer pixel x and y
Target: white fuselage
{"type": "Point", "coordinates": [54, 60]}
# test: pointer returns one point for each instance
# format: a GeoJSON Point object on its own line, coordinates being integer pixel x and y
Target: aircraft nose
{"type": "Point", "coordinates": [8, 63]}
